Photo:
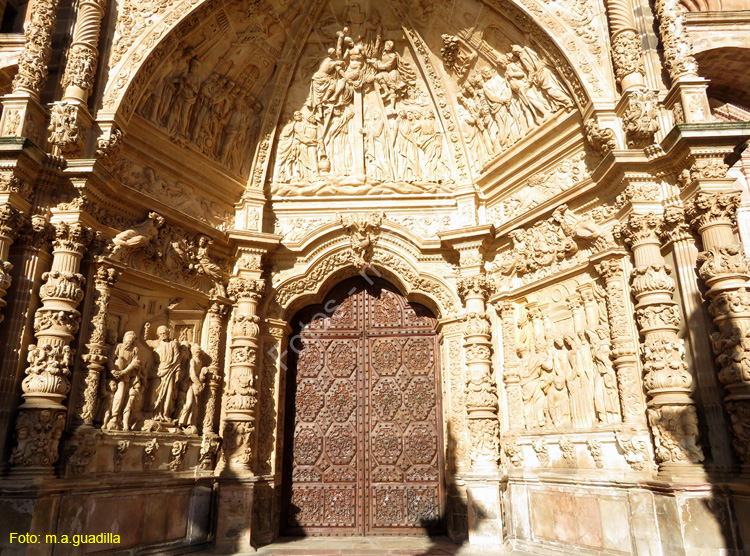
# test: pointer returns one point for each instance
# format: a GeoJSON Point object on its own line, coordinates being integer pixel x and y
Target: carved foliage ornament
{"type": "Point", "coordinates": [602, 140]}
{"type": "Point", "coordinates": [32, 64]}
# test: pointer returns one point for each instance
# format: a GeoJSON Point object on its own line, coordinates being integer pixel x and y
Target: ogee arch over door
{"type": "Point", "coordinates": [364, 433]}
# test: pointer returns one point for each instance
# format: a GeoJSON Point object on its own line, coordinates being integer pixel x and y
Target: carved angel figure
{"type": "Point", "coordinates": [204, 265]}
{"type": "Point", "coordinates": [137, 236]}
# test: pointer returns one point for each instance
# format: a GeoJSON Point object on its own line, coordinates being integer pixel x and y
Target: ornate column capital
{"type": "Point", "coordinates": [478, 286]}
{"type": "Point", "coordinates": [706, 209]}
{"type": "Point", "coordinates": [245, 288]}
{"type": "Point", "coordinates": [10, 222]}
{"type": "Point", "coordinates": [363, 231]}
{"type": "Point", "coordinates": [72, 236]}
{"type": "Point", "coordinates": [639, 229]}
{"type": "Point", "coordinates": [675, 226]}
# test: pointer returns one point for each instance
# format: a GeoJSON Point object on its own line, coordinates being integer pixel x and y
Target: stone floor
{"type": "Point", "coordinates": [372, 546]}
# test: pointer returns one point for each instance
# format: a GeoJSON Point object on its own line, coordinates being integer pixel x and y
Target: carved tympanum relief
{"type": "Point", "coordinates": [511, 91]}
{"type": "Point", "coordinates": [359, 117]}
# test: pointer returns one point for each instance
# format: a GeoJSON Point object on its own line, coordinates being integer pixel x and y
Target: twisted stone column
{"type": "Point", "coordinates": [687, 97]}
{"type": "Point", "coordinates": [624, 352]}
{"type": "Point", "coordinates": [723, 267]}
{"type": "Point", "coordinates": [10, 223]}
{"type": "Point", "coordinates": [217, 313]}
{"type": "Point", "coordinates": [671, 411]}
{"type": "Point", "coordinates": [511, 376]}
{"type": "Point", "coordinates": [241, 398]}
{"type": "Point", "coordinates": [42, 415]}
{"type": "Point", "coordinates": [627, 52]}
{"type": "Point", "coordinates": [96, 358]}
{"type": "Point", "coordinates": [70, 117]}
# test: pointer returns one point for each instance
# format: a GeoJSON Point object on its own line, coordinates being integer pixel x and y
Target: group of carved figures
{"type": "Point", "coordinates": [399, 135]}
{"type": "Point", "coordinates": [169, 249]}
{"type": "Point", "coordinates": [499, 104]}
{"type": "Point", "coordinates": [214, 114]}
{"type": "Point", "coordinates": [569, 381]}
{"type": "Point", "coordinates": [151, 388]}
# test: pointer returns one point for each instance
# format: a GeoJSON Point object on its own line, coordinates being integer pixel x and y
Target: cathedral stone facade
{"type": "Point", "coordinates": [358, 267]}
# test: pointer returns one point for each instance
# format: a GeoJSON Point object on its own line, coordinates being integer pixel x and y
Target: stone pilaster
{"type": "Point", "coordinates": [511, 375]}
{"type": "Point", "coordinates": [42, 415]}
{"type": "Point", "coordinates": [10, 222]}
{"type": "Point", "coordinates": [709, 393]}
{"type": "Point", "coordinates": [70, 118]}
{"type": "Point", "coordinates": [241, 395]}
{"type": "Point", "coordinates": [611, 267]}
{"type": "Point", "coordinates": [96, 356]}
{"type": "Point", "coordinates": [669, 385]}
{"type": "Point", "coordinates": [723, 268]}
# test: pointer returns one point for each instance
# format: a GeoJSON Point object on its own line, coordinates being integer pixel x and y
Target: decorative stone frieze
{"type": "Point", "coordinates": [10, 226]}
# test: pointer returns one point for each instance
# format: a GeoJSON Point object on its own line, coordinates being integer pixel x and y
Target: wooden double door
{"type": "Point", "coordinates": [364, 433]}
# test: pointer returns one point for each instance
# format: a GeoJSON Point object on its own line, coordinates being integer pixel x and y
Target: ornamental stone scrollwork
{"type": "Point", "coordinates": [513, 451]}
{"type": "Point", "coordinates": [38, 436]}
{"type": "Point", "coordinates": [149, 454]}
{"type": "Point", "coordinates": [641, 118]}
{"type": "Point", "coordinates": [177, 454]}
{"type": "Point", "coordinates": [65, 132]}
{"type": "Point", "coordinates": [602, 140]}
{"type": "Point", "coordinates": [108, 149]}
{"type": "Point", "coordinates": [633, 447]}
{"type": "Point", "coordinates": [550, 246]}
{"type": "Point", "coordinates": [118, 457]}
{"type": "Point", "coordinates": [363, 232]}
{"type": "Point", "coordinates": [595, 449]}
{"type": "Point", "coordinates": [542, 452]}
{"type": "Point", "coordinates": [568, 451]}
{"type": "Point", "coordinates": [671, 414]}
{"type": "Point", "coordinates": [627, 52]}
{"type": "Point", "coordinates": [84, 447]}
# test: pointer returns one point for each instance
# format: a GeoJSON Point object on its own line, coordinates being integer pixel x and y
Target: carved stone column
{"type": "Point", "coordinates": [723, 267]}
{"type": "Point", "coordinates": [669, 385]}
{"type": "Point", "coordinates": [638, 107]}
{"type": "Point", "coordinates": [627, 52]}
{"type": "Point", "coordinates": [10, 223]}
{"type": "Point", "coordinates": [70, 118]}
{"type": "Point", "coordinates": [96, 358]}
{"type": "Point", "coordinates": [481, 399]}
{"type": "Point", "coordinates": [611, 267]}
{"type": "Point", "coordinates": [241, 396]}
{"type": "Point", "coordinates": [217, 313]}
{"type": "Point", "coordinates": [511, 375]}
{"type": "Point", "coordinates": [42, 415]}
{"type": "Point", "coordinates": [22, 115]}
{"type": "Point", "coordinates": [687, 98]}
{"type": "Point", "coordinates": [709, 393]}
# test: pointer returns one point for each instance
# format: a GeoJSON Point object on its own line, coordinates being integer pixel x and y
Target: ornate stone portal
{"type": "Point", "coordinates": [358, 267]}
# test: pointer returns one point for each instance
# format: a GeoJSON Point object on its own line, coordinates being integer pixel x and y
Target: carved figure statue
{"type": "Point", "coordinates": [169, 355]}
{"type": "Point", "coordinates": [557, 396]}
{"type": "Point", "coordinates": [392, 74]}
{"type": "Point", "coordinates": [579, 386]}
{"type": "Point", "coordinates": [187, 87]}
{"type": "Point", "coordinates": [204, 265]}
{"type": "Point", "coordinates": [123, 364]}
{"type": "Point", "coordinates": [541, 76]}
{"type": "Point", "coordinates": [323, 83]}
{"type": "Point", "coordinates": [137, 236]}
{"type": "Point", "coordinates": [534, 386]}
{"type": "Point", "coordinates": [606, 400]}
{"type": "Point", "coordinates": [197, 375]}
{"type": "Point", "coordinates": [405, 150]}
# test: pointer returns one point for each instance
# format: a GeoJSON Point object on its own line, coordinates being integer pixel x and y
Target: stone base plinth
{"type": "Point", "coordinates": [235, 515]}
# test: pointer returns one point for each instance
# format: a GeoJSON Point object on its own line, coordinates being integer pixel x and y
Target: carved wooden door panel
{"type": "Point", "coordinates": [365, 426]}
